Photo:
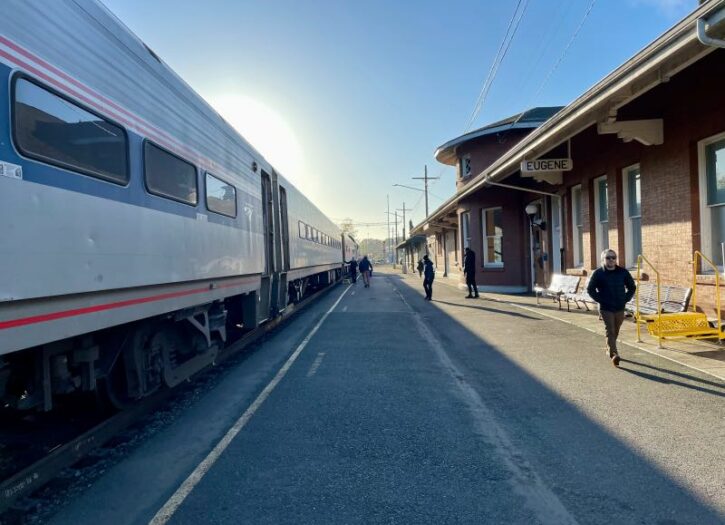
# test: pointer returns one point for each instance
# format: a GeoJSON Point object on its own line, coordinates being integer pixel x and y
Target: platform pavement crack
{"type": "Point", "coordinates": [524, 480]}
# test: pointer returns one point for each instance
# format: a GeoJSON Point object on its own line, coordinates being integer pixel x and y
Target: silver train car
{"type": "Point", "coordinates": [138, 230]}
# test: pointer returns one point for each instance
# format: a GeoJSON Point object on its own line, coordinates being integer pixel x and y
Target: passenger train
{"type": "Point", "coordinates": [138, 230]}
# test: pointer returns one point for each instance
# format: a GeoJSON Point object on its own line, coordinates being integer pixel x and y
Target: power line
{"type": "Point", "coordinates": [513, 27]}
{"type": "Point", "coordinates": [556, 64]}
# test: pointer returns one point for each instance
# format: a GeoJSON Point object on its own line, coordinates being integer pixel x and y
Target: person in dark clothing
{"type": "Point", "coordinates": [469, 270]}
{"type": "Point", "coordinates": [353, 270]}
{"type": "Point", "coordinates": [366, 269]}
{"type": "Point", "coordinates": [429, 274]}
{"type": "Point", "coordinates": [420, 268]}
{"type": "Point", "coordinates": [612, 287]}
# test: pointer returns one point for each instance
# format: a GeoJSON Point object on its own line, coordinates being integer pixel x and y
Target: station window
{"type": "Point", "coordinates": [712, 197]}
{"type": "Point", "coordinates": [601, 213]}
{"type": "Point", "coordinates": [221, 197]}
{"type": "Point", "coordinates": [577, 225]}
{"type": "Point", "coordinates": [52, 129]}
{"type": "Point", "coordinates": [632, 215]}
{"type": "Point", "coordinates": [168, 175]}
{"type": "Point", "coordinates": [492, 221]}
{"type": "Point", "coordinates": [466, 229]}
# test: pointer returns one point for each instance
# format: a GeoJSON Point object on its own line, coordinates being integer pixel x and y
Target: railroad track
{"type": "Point", "coordinates": [32, 477]}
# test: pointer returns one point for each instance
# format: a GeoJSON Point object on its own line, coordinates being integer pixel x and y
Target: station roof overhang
{"type": "Point", "coordinates": [669, 54]}
{"type": "Point", "coordinates": [530, 119]}
{"type": "Point", "coordinates": [411, 241]}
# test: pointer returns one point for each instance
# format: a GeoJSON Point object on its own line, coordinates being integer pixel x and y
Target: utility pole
{"type": "Point", "coordinates": [388, 240]}
{"type": "Point", "coordinates": [404, 210]}
{"type": "Point", "coordinates": [425, 178]}
{"type": "Point", "coordinates": [405, 254]}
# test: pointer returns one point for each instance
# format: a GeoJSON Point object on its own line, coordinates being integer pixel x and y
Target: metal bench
{"type": "Point", "coordinates": [560, 286]}
{"type": "Point", "coordinates": [581, 297]}
{"type": "Point", "coordinates": [673, 299]}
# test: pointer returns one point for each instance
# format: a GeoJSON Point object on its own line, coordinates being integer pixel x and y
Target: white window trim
{"type": "Point", "coordinates": [466, 230]}
{"type": "Point", "coordinates": [556, 233]}
{"type": "Point", "coordinates": [486, 263]}
{"type": "Point", "coordinates": [574, 230]}
{"type": "Point", "coordinates": [630, 258]}
{"type": "Point", "coordinates": [602, 243]}
{"type": "Point", "coordinates": [706, 246]}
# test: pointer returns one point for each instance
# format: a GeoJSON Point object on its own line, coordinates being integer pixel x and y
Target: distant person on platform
{"type": "Point", "coordinates": [366, 268]}
{"type": "Point", "coordinates": [420, 268]}
{"type": "Point", "coordinates": [612, 287]}
{"type": "Point", "coordinates": [469, 270]}
{"type": "Point", "coordinates": [429, 274]}
{"type": "Point", "coordinates": [353, 269]}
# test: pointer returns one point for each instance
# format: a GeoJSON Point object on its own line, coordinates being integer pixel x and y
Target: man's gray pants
{"type": "Point", "coordinates": [612, 324]}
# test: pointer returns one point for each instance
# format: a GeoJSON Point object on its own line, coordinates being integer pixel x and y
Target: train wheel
{"type": "Point", "coordinates": [138, 371]}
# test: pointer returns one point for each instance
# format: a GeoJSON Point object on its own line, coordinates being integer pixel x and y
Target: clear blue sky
{"type": "Point", "coordinates": [348, 97]}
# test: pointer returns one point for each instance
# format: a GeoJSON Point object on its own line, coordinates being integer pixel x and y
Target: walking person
{"type": "Point", "coordinates": [612, 287]}
{"type": "Point", "coordinates": [429, 274]}
{"type": "Point", "coordinates": [366, 269]}
{"type": "Point", "coordinates": [353, 270]}
{"type": "Point", "coordinates": [469, 270]}
{"type": "Point", "coordinates": [420, 268]}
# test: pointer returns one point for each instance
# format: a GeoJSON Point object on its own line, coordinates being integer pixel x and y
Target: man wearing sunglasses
{"type": "Point", "coordinates": [612, 287]}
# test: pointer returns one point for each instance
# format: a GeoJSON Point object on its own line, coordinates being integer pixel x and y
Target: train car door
{"type": "Point", "coordinates": [265, 295]}
{"type": "Point", "coordinates": [284, 230]}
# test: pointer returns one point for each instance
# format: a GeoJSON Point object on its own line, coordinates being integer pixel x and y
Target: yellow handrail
{"type": "Point", "coordinates": [695, 257]}
{"type": "Point", "coordinates": [640, 259]}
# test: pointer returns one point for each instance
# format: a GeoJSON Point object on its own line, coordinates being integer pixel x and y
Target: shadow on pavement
{"type": "Point", "coordinates": [679, 374]}
{"type": "Point", "coordinates": [598, 476]}
{"type": "Point", "coordinates": [493, 310]}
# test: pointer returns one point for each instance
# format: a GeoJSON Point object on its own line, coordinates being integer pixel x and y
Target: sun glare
{"type": "Point", "coordinates": [267, 131]}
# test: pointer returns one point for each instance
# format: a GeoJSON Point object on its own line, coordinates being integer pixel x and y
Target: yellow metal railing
{"type": "Point", "coordinates": [640, 259]}
{"type": "Point", "coordinates": [696, 256]}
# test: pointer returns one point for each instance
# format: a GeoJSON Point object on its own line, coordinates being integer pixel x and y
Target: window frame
{"type": "Point", "coordinates": [485, 237]}
{"type": "Point", "coordinates": [630, 258]}
{"type": "Point", "coordinates": [206, 195]}
{"type": "Point", "coordinates": [163, 195]}
{"type": "Point", "coordinates": [57, 163]}
{"type": "Point", "coordinates": [577, 230]}
{"type": "Point", "coordinates": [706, 246]}
{"type": "Point", "coordinates": [601, 240]}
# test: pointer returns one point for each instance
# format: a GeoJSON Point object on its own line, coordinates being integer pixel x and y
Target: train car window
{"type": "Point", "coordinates": [169, 176]}
{"type": "Point", "coordinates": [221, 197]}
{"type": "Point", "coordinates": [302, 229]}
{"type": "Point", "coordinates": [52, 129]}
{"type": "Point", "coordinates": [308, 232]}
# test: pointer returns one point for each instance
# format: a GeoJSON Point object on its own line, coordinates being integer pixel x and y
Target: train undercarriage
{"type": "Point", "coordinates": [126, 363]}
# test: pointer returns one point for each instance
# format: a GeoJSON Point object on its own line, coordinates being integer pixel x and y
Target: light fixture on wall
{"type": "Point", "coordinates": [532, 210]}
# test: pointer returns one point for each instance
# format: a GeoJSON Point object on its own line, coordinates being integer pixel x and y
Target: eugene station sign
{"type": "Point", "coordinates": [546, 165]}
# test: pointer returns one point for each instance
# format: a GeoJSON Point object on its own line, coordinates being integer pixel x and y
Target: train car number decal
{"type": "Point", "coordinates": [11, 170]}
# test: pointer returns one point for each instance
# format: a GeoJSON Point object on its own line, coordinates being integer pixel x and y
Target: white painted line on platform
{"type": "Point", "coordinates": [538, 498]}
{"type": "Point", "coordinates": [167, 511]}
{"type": "Point", "coordinates": [316, 364]}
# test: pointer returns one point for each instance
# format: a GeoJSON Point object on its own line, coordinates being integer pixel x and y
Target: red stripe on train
{"type": "Point", "coordinates": [14, 323]}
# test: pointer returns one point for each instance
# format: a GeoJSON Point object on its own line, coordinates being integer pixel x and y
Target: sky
{"type": "Point", "coordinates": [346, 98]}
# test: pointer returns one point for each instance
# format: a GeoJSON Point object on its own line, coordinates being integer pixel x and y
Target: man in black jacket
{"type": "Point", "coordinates": [612, 287]}
{"type": "Point", "coordinates": [429, 274]}
{"type": "Point", "coordinates": [353, 270]}
{"type": "Point", "coordinates": [469, 270]}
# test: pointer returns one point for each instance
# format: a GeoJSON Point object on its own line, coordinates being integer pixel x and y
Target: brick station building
{"type": "Point", "coordinates": [646, 146]}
